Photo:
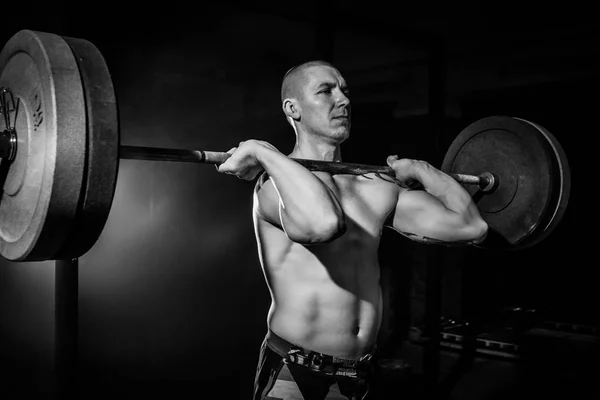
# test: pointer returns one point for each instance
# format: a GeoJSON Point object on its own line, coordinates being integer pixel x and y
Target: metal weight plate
{"type": "Point", "coordinates": [519, 155]}
{"type": "Point", "coordinates": [102, 150]}
{"type": "Point", "coordinates": [42, 185]}
{"type": "Point", "coordinates": [561, 189]}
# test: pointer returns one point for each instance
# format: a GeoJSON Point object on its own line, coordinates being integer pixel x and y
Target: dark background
{"type": "Point", "coordinates": [172, 299]}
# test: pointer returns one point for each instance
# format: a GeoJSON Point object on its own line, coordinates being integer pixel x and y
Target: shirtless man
{"type": "Point", "coordinates": [318, 236]}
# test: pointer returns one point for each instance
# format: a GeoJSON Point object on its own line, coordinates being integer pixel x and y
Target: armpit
{"type": "Point", "coordinates": [264, 177]}
{"type": "Point", "coordinates": [266, 204]}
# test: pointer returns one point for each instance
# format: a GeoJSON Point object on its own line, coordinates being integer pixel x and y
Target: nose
{"type": "Point", "coordinates": [342, 100]}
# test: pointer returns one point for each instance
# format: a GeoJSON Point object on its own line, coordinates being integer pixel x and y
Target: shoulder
{"type": "Point", "coordinates": [400, 197]}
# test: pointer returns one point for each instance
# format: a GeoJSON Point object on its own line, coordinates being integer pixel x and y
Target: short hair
{"type": "Point", "coordinates": [295, 73]}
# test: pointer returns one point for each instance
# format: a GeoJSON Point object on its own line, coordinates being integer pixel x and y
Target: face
{"type": "Point", "coordinates": [325, 104]}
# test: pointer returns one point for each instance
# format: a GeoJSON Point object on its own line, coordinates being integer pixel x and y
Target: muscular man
{"type": "Point", "coordinates": [318, 236]}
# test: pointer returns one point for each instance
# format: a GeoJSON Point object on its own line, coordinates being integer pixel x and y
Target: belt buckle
{"type": "Point", "coordinates": [293, 356]}
{"type": "Point", "coordinates": [316, 361]}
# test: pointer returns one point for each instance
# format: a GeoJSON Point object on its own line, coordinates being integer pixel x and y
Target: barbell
{"type": "Point", "coordinates": [60, 152]}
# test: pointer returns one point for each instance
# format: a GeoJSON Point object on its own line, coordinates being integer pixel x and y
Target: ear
{"type": "Point", "coordinates": [291, 108]}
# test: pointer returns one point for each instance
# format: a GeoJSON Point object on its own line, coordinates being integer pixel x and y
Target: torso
{"type": "Point", "coordinates": [327, 297]}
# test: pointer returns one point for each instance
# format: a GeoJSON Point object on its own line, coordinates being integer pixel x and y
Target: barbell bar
{"type": "Point", "coordinates": [486, 181]}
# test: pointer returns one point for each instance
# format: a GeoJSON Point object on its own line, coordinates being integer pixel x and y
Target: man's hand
{"type": "Point", "coordinates": [404, 170]}
{"type": "Point", "coordinates": [245, 159]}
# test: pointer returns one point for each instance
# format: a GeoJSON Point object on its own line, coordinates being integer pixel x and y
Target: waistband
{"type": "Point", "coordinates": [320, 362]}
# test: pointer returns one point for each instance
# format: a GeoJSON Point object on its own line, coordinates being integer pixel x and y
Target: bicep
{"type": "Point", "coordinates": [421, 217]}
{"type": "Point", "coordinates": [299, 227]}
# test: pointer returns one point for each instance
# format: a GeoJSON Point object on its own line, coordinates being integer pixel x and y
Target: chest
{"type": "Point", "coordinates": [367, 201]}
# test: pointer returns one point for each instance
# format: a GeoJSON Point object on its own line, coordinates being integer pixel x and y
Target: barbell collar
{"type": "Point", "coordinates": [487, 181]}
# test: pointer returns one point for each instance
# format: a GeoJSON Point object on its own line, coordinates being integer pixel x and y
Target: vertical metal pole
{"type": "Point", "coordinates": [66, 330]}
{"type": "Point", "coordinates": [431, 351]}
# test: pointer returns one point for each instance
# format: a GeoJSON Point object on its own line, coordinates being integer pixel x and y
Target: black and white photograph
{"type": "Point", "coordinates": [301, 200]}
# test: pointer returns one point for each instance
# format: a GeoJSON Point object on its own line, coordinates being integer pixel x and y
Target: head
{"type": "Point", "coordinates": [315, 100]}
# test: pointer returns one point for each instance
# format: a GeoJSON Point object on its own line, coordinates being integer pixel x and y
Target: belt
{"type": "Point", "coordinates": [319, 362]}
{"type": "Point", "coordinates": [328, 364]}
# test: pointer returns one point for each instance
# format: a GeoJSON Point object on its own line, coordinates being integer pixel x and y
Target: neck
{"type": "Point", "coordinates": [313, 149]}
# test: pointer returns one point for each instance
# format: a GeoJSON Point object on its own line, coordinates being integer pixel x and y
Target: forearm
{"type": "Point", "coordinates": [308, 208]}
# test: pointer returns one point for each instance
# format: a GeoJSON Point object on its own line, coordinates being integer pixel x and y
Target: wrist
{"type": "Point", "coordinates": [262, 153]}
{"type": "Point", "coordinates": [416, 168]}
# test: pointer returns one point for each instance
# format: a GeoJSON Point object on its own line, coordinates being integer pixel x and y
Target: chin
{"type": "Point", "coordinates": [335, 136]}
{"type": "Point", "coordinates": [342, 136]}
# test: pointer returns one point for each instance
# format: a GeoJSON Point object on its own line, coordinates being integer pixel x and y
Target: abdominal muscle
{"type": "Point", "coordinates": [334, 309]}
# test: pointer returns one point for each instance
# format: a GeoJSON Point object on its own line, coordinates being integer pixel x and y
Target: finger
{"type": "Point", "coordinates": [225, 169]}
{"type": "Point", "coordinates": [391, 159]}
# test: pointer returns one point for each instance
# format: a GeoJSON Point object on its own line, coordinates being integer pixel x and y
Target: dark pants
{"type": "Point", "coordinates": [286, 371]}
